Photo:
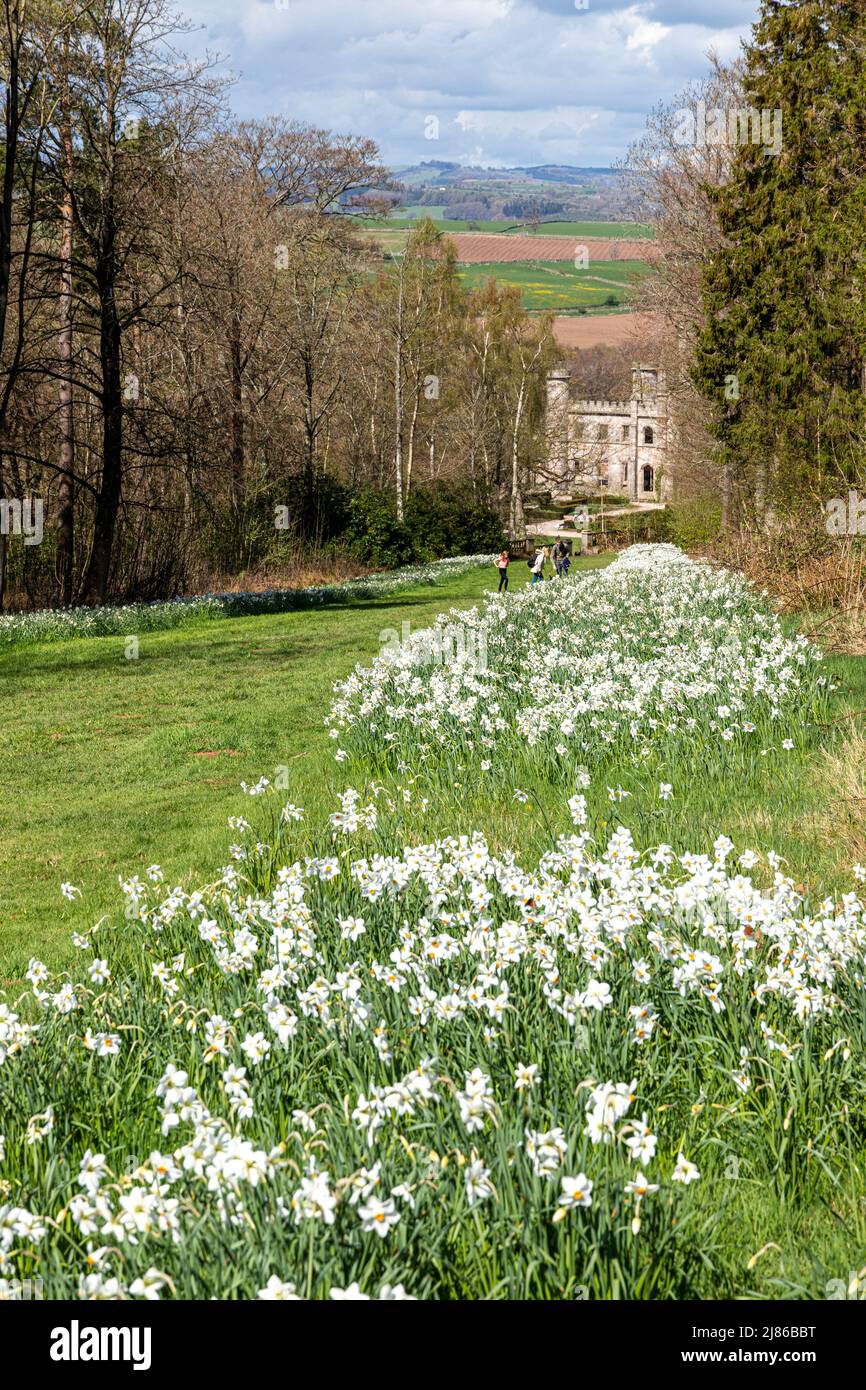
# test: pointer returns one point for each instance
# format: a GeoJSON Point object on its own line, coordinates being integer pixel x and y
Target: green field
{"type": "Point", "coordinates": [610, 230]}
{"type": "Point", "coordinates": [553, 285]}
{"type": "Point", "coordinates": [557, 286]}
{"type": "Point", "coordinates": [393, 240]}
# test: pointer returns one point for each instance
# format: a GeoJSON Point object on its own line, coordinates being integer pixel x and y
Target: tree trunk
{"type": "Point", "coordinates": [2, 541]}
{"type": "Point", "coordinates": [375, 452]}
{"type": "Point", "coordinates": [760, 497]}
{"type": "Point", "coordinates": [398, 403]}
{"type": "Point", "coordinates": [410, 458]}
{"type": "Point", "coordinates": [238, 438]}
{"type": "Point", "coordinates": [64, 552]}
{"type": "Point", "coordinates": [11, 130]}
{"type": "Point", "coordinates": [311, 510]}
{"type": "Point", "coordinates": [398, 451]}
{"type": "Point", "coordinates": [727, 499]}
{"type": "Point", "coordinates": [108, 502]}
{"type": "Point", "coordinates": [516, 521]}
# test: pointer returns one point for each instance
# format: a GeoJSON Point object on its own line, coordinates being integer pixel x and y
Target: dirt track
{"type": "Point", "coordinates": [475, 248]}
{"type": "Point", "coordinates": [604, 330]}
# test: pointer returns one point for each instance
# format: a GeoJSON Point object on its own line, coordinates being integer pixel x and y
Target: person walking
{"type": "Point", "coordinates": [502, 566]}
{"type": "Point", "coordinates": [558, 556]}
{"type": "Point", "coordinates": [538, 567]}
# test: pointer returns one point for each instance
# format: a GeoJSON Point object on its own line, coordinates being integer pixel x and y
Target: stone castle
{"type": "Point", "coordinates": [614, 448]}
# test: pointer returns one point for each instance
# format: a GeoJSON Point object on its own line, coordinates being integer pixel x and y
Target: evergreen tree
{"type": "Point", "coordinates": [781, 356]}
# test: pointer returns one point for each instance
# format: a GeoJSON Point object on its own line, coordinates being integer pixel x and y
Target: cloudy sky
{"type": "Point", "coordinates": [477, 81]}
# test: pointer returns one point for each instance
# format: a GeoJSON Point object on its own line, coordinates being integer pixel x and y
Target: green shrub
{"type": "Point", "coordinates": [453, 522]}
{"type": "Point", "coordinates": [438, 524]}
{"type": "Point", "coordinates": [374, 535]}
{"type": "Point", "coordinates": [636, 528]}
{"type": "Point", "coordinates": [689, 524]}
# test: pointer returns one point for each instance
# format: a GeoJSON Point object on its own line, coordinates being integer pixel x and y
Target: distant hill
{"type": "Point", "coordinates": [568, 173]}
{"type": "Point", "coordinates": [537, 192]}
{"type": "Point", "coordinates": [446, 171]}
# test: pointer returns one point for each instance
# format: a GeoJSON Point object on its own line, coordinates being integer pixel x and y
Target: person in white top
{"type": "Point", "coordinates": [502, 566]}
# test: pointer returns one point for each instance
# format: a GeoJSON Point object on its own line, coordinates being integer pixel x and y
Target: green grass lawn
{"type": "Point", "coordinates": [112, 765]}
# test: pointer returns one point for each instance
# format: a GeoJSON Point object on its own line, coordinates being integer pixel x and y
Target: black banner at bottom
{"type": "Point", "coordinates": [159, 1338]}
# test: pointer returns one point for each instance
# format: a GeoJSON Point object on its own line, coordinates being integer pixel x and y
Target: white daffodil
{"type": "Point", "coordinates": [576, 1192]}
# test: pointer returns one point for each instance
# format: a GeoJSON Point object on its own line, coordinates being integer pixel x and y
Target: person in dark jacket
{"type": "Point", "coordinates": [559, 554]}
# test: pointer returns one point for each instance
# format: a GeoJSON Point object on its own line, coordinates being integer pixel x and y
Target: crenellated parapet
{"type": "Point", "coordinates": [600, 407]}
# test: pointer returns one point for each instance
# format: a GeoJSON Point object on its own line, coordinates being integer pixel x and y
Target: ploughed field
{"type": "Point", "coordinates": [474, 247]}
{"type": "Point", "coordinates": [614, 329]}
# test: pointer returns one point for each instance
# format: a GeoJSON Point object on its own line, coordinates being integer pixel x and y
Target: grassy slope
{"type": "Point", "coordinates": [104, 774]}
{"type": "Point", "coordinates": [111, 765]}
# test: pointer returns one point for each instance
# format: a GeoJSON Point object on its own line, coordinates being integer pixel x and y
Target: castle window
{"type": "Point", "coordinates": [648, 435]}
{"type": "Point", "coordinates": [625, 431]}
{"type": "Point", "coordinates": [602, 431]}
{"type": "Point", "coordinates": [648, 479]}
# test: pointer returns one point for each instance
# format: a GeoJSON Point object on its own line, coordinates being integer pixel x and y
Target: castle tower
{"type": "Point", "coordinates": [647, 383]}
{"type": "Point", "coordinates": [557, 423]}
{"type": "Point", "coordinates": [649, 430]}
{"type": "Point", "coordinates": [612, 448]}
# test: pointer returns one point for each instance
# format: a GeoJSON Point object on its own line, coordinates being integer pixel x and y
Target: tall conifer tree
{"type": "Point", "coordinates": [782, 353]}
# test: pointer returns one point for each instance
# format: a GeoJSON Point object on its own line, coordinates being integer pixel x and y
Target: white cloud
{"type": "Point", "coordinates": [531, 81]}
{"type": "Point", "coordinates": [646, 34]}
